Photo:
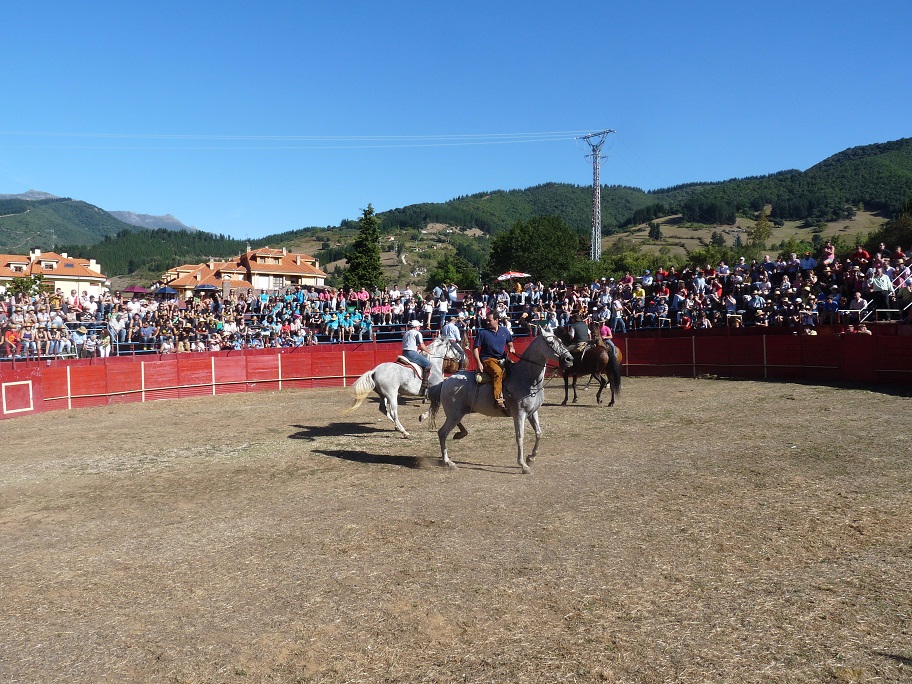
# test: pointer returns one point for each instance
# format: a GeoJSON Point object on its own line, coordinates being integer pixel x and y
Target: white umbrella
{"type": "Point", "coordinates": [509, 275]}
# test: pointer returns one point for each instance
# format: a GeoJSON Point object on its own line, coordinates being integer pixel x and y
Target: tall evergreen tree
{"type": "Point", "coordinates": [364, 268]}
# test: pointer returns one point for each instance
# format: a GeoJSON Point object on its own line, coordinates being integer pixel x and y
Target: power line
{"type": "Point", "coordinates": [341, 141]}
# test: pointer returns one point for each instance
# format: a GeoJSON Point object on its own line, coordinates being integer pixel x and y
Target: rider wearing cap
{"type": "Point", "coordinates": [490, 348]}
{"type": "Point", "coordinates": [412, 343]}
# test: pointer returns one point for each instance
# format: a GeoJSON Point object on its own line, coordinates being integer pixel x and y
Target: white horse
{"type": "Point", "coordinates": [390, 379]}
{"type": "Point", "coordinates": [460, 394]}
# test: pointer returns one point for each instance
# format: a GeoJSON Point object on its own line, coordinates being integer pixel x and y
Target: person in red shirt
{"type": "Point", "coordinates": [861, 256]}
{"type": "Point", "coordinates": [12, 342]}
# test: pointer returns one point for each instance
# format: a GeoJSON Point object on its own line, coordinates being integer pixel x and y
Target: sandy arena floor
{"type": "Point", "coordinates": [699, 531]}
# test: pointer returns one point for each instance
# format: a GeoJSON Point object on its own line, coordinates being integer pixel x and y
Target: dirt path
{"type": "Point", "coordinates": [699, 531]}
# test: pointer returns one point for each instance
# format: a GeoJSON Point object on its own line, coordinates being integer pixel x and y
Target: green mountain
{"type": "Point", "coordinates": [492, 212]}
{"type": "Point", "coordinates": [47, 222]}
{"type": "Point", "coordinates": [876, 176]}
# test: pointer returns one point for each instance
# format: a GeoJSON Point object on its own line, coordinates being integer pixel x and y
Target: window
{"type": "Point", "coordinates": [277, 282]}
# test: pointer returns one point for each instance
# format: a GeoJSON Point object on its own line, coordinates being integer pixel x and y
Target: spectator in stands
{"type": "Point", "coordinates": [78, 338]}
{"type": "Point", "coordinates": [12, 341]}
{"type": "Point", "coordinates": [883, 293]}
{"type": "Point", "coordinates": [807, 262]}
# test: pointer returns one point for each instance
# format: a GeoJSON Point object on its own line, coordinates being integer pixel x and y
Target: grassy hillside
{"type": "Point", "coordinates": [680, 238]}
{"type": "Point", "coordinates": [45, 223]}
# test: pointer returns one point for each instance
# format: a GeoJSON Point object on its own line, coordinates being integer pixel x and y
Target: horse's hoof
{"type": "Point", "coordinates": [526, 470]}
{"type": "Point", "coordinates": [460, 435]}
{"type": "Point", "coordinates": [405, 435]}
{"type": "Point", "coordinates": [564, 402]}
{"type": "Point", "coordinates": [452, 466]}
{"type": "Point", "coordinates": [574, 401]}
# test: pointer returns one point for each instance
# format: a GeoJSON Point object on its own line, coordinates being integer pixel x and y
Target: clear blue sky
{"type": "Point", "coordinates": [249, 119]}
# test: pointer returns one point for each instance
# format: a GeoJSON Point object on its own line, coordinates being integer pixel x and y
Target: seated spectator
{"type": "Point", "coordinates": [12, 341]}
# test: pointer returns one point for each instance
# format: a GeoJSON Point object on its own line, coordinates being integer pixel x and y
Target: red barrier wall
{"type": "Point", "coordinates": [36, 386]}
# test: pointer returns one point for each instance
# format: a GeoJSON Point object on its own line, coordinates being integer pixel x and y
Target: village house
{"type": "Point", "coordinates": [59, 271]}
{"type": "Point", "coordinates": [261, 270]}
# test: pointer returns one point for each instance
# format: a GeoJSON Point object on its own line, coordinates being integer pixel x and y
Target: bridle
{"type": "Point", "coordinates": [453, 352]}
{"type": "Point", "coordinates": [555, 344]}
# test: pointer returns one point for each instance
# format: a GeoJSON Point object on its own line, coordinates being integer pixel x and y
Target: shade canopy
{"type": "Point", "coordinates": [206, 288]}
{"type": "Point", "coordinates": [510, 275]}
{"type": "Point", "coordinates": [166, 291]}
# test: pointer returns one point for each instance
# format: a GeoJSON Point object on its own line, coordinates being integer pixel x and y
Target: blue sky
{"type": "Point", "coordinates": [249, 119]}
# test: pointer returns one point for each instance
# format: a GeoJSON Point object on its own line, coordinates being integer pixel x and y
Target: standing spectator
{"type": "Point", "coordinates": [78, 338]}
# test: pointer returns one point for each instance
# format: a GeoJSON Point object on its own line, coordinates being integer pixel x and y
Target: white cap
{"type": "Point", "coordinates": [415, 323]}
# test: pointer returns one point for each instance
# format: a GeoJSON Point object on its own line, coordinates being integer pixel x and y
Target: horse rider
{"type": "Point", "coordinates": [451, 331]}
{"type": "Point", "coordinates": [579, 335]}
{"type": "Point", "coordinates": [412, 343]}
{"type": "Point", "coordinates": [489, 350]}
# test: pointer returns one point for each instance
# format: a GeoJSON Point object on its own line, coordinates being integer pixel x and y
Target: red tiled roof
{"type": "Point", "coordinates": [68, 267]}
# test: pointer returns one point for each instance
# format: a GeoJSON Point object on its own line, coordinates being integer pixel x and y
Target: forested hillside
{"type": "Point", "coordinates": [493, 212]}
{"type": "Point", "coordinates": [879, 177]}
{"type": "Point", "coordinates": [44, 223]}
{"type": "Point", "coordinates": [156, 250]}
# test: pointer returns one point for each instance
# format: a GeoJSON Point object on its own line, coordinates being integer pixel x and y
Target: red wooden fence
{"type": "Point", "coordinates": [36, 386]}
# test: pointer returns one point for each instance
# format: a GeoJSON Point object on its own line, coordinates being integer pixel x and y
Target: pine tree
{"type": "Point", "coordinates": [364, 268]}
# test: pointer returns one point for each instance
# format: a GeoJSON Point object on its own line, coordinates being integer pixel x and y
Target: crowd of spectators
{"type": "Point", "coordinates": [800, 292]}
{"type": "Point", "coordinates": [82, 325]}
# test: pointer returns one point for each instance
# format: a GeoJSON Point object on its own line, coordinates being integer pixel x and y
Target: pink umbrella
{"type": "Point", "coordinates": [509, 275]}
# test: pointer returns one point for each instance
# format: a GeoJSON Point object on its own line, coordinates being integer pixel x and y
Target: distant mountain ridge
{"type": "Point", "coordinates": [30, 196]}
{"type": "Point", "coordinates": [167, 221]}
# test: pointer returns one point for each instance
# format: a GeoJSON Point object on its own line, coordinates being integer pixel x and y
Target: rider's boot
{"type": "Point", "coordinates": [425, 377]}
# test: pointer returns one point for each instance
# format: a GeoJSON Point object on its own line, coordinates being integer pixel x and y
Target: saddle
{"type": "Point", "coordinates": [482, 377]}
{"type": "Point", "coordinates": [402, 361]}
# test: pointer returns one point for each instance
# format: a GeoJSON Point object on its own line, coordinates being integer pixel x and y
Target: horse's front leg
{"type": "Point", "coordinates": [574, 389]}
{"type": "Point", "coordinates": [462, 431]}
{"type": "Point", "coordinates": [566, 388]}
{"type": "Point", "coordinates": [536, 427]}
{"type": "Point", "coordinates": [519, 424]}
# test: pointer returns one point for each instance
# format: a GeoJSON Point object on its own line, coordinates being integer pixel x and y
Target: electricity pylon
{"type": "Point", "coordinates": [595, 142]}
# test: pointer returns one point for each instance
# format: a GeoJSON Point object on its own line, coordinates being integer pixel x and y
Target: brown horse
{"type": "Point", "coordinates": [600, 360]}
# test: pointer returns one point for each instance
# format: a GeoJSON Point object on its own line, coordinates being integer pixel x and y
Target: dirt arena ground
{"type": "Point", "coordinates": [699, 531]}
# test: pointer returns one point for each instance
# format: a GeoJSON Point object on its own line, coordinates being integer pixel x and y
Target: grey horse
{"type": "Point", "coordinates": [460, 394]}
{"type": "Point", "coordinates": [390, 379]}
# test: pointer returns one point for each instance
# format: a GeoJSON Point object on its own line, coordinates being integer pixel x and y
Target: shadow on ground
{"type": "Point", "coordinates": [313, 432]}
{"type": "Point", "coordinates": [364, 457]}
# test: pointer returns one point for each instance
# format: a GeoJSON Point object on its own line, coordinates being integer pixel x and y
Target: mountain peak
{"type": "Point", "coordinates": [31, 195]}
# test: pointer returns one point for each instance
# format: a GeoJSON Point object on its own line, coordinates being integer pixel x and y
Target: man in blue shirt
{"type": "Point", "coordinates": [489, 350]}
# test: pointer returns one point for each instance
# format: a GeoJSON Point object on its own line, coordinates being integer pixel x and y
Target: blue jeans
{"type": "Point", "coordinates": [412, 355]}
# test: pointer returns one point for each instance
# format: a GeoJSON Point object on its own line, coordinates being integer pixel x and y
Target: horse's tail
{"type": "Point", "coordinates": [363, 386]}
{"type": "Point", "coordinates": [614, 373]}
{"type": "Point", "coordinates": [434, 396]}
